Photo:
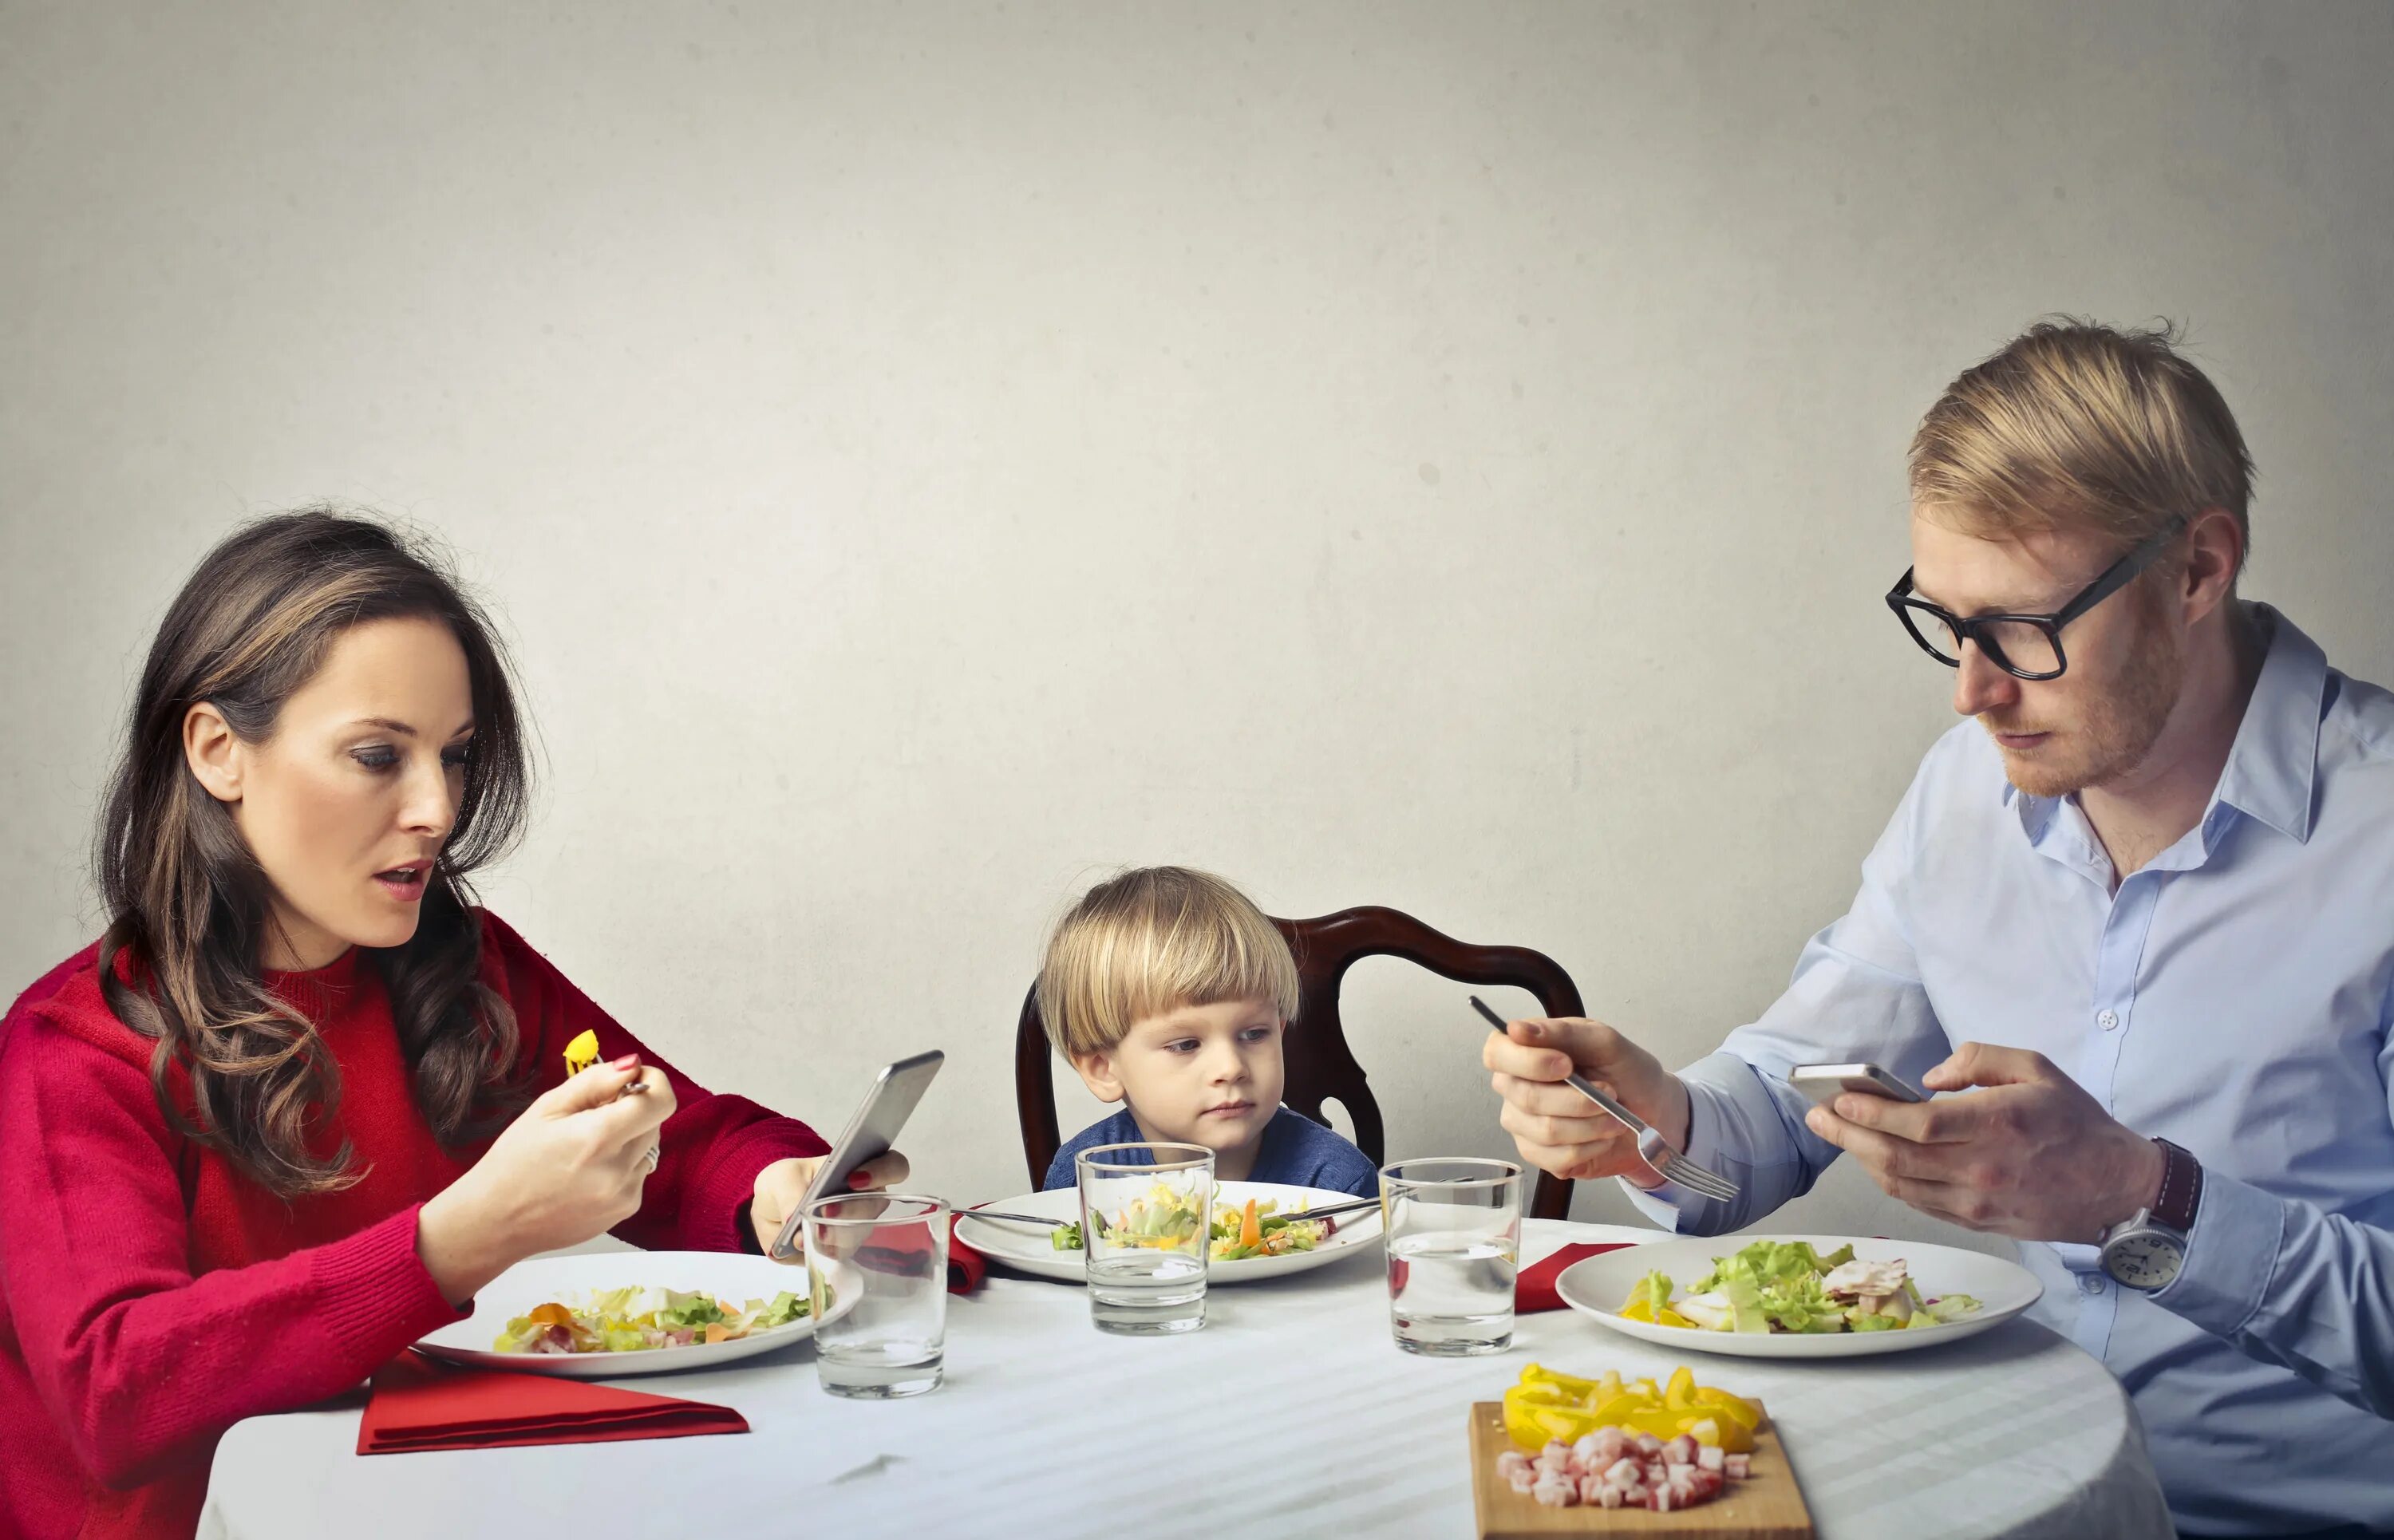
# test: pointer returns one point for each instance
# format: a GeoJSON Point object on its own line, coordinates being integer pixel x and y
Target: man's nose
{"type": "Point", "coordinates": [1979, 685]}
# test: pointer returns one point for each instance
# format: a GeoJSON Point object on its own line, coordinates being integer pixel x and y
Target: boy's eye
{"type": "Point", "coordinates": [1255, 1035]}
{"type": "Point", "coordinates": [1183, 1044]}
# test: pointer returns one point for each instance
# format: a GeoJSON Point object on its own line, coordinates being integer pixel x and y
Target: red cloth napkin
{"type": "Point", "coordinates": [967, 1267]}
{"type": "Point", "coordinates": [417, 1404]}
{"type": "Point", "coordinates": [1534, 1289]}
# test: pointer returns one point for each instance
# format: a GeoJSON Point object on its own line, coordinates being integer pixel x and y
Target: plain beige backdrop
{"type": "Point", "coordinates": [1446, 456]}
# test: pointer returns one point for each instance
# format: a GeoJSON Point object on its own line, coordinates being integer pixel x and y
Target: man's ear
{"type": "Point", "coordinates": [213, 750]}
{"type": "Point", "coordinates": [1098, 1074]}
{"type": "Point", "coordinates": [2215, 547]}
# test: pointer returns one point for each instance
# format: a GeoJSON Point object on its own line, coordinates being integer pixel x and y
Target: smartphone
{"type": "Point", "coordinates": [870, 1133]}
{"type": "Point", "coordinates": [1825, 1083]}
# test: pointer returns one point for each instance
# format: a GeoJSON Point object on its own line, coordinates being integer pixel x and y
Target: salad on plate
{"type": "Point", "coordinates": [1787, 1287]}
{"type": "Point", "coordinates": [1165, 1220]}
{"type": "Point", "coordinates": [638, 1320]}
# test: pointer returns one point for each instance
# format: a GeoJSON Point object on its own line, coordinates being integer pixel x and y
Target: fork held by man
{"type": "Point", "coordinates": [1559, 1112]}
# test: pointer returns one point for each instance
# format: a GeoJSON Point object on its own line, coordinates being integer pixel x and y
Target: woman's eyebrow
{"type": "Point", "coordinates": [392, 724]}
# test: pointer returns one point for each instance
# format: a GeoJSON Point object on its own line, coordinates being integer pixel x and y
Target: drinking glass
{"type": "Point", "coordinates": [1454, 1241]}
{"type": "Point", "coordinates": [1146, 1210]}
{"type": "Point", "coordinates": [877, 1273]}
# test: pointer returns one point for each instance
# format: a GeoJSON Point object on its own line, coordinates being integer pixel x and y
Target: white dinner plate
{"type": "Point", "coordinates": [733, 1277]}
{"type": "Point", "coordinates": [1598, 1286]}
{"type": "Point", "coordinates": [1030, 1249]}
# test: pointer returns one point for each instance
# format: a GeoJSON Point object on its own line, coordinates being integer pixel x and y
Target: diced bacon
{"type": "Point", "coordinates": [1624, 1472]}
{"type": "Point", "coordinates": [1657, 1472]}
{"type": "Point", "coordinates": [1591, 1490]}
{"type": "Point", "coordinates": [1585, 1452]}
{"type": "Point", "coordinates": [1706, 1485]}
{"type": "Point", "coordinates": [1555, 1492]}
{"type": "Point", "coordinates": [1738, 1467]}
{"type": "Point", "coordinates": [1640, 1495]}
{"type": "Point", "coordinates": [1663, 1500]}
{"type": "Point", "coordinates": [1610, 1444]}
{"type": "Point", "coordinates": [1555, 1447]}
{"type": "Point", "coordinates": [1511, 1461]}
{"type": "Point", "coordinates": [1608, 1496]}
{"type": "Point", "coordinates": [1521, 1481]}
{"type": "Point", "coordinates": [1680, 1451]}
{"type": "Point", "coordinates": [1648, 1445]}
{"type": "Point", "coordinates": [1710, 1456]}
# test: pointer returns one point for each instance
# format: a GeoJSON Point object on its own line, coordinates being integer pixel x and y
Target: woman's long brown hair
{"type": "Point", "coordinates": [188, 903]}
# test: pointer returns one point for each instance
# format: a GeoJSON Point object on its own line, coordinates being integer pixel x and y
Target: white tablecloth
{"type": "Point", "coordinates": [1292, 1412]}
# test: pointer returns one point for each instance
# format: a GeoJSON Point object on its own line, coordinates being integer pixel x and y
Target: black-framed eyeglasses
{"type": "Point", "coordinates": [2028, 646]}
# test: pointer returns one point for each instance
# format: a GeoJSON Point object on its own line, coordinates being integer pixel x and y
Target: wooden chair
{"type": "Point", "coordinates": [1320, 1065]}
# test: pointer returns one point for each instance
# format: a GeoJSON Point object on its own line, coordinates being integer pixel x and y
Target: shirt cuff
{"type": "Point", "coordinates": [376, 1293]}
{"type": "Point", "coordinates": [2230, 1255]}
{"type": "Point", "coordinates": [1673, 1207]}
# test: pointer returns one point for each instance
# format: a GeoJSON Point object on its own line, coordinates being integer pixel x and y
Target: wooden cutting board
{"type": "Point", "coordinates": [1765, 1506]}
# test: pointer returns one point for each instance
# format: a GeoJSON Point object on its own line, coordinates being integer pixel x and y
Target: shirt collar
{"type": "Point", "coordinates": [2275, 755]}
{"type": "Point", "coordinates": [2272, 763]}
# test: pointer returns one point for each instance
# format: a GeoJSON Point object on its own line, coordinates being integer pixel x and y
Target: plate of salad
{"type": "Point", "coordinates": [1256, 1231]}
{"type": "Point", "coordinates": [1798, 1295]}
{"type": "Point", "coordinates": [600, 1315]}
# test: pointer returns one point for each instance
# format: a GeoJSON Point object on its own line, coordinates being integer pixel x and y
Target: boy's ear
{"type": "Point", "coordinates": [1097, 1073]}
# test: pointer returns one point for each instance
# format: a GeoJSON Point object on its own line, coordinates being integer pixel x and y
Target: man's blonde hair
{"type": "Point", "coordinates": [1154, 940]}
{"type": "Point", "coordinates": [2079, 426]}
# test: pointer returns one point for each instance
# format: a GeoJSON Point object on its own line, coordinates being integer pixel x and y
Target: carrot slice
{"type": "Point", "coordinates": [1251, 1229]}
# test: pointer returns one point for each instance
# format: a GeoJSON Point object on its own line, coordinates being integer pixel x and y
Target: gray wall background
{"type": "Point", "coordinates": [1438, 456]}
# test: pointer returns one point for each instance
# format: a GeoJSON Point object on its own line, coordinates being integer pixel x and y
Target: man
{"type": "Point", "coordinates": [2140, 914]}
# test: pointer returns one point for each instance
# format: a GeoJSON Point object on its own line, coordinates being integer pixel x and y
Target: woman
{"type": "Point", "coordinates": [302, 1099]}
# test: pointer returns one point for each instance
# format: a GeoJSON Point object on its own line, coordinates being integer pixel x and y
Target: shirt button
{"type": "Point", "coordinates": [2107, 1019]}
{"type": "Point", "coordinates": [2092, 1284]}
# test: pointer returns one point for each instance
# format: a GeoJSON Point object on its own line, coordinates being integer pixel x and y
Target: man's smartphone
{"type": "Point", "coordinates": [1824, 1083]}
{"type": "Point", "coordinates": [870, 1133]}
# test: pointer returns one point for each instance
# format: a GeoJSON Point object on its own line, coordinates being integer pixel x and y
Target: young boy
{"type": "Point", "coordinates": [1169, 991]}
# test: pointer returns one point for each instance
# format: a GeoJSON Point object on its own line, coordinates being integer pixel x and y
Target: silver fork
{"type": "Point", "coordinates": [1652, 1148]}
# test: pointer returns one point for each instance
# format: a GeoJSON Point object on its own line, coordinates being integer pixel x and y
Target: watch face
{"type": "Point", "coordinates": [2143, 1259]}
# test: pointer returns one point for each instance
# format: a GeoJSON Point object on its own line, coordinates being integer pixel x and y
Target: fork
{"type": "Point", "coordinates": [1324, 1212]}
{"type": "Point", "coordinates": [1655, 1151]}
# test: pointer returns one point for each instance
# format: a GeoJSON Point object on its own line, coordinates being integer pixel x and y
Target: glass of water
{"type": "Point", "coordinates": [877, 1275]}
{"type": "Point", "coordinates": [1454, 1241]}
{"type": "Point", "coordinates": [1146, 1211]}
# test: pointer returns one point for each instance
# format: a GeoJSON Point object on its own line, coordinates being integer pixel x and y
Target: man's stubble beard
{"type": "Point", "coordinates": [2120, 726]}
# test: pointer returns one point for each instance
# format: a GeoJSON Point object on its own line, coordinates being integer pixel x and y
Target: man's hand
{"type": "Point", "coordinates": [2031, 1156]}
{"type": "Point", "coordinates": [1555, 1127]}
{"type": "Point", "coordinates": [782, 1185]}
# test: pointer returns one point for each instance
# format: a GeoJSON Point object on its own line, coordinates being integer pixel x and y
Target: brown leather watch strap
{"type": "Point", "coordinates": [2181, 1188]}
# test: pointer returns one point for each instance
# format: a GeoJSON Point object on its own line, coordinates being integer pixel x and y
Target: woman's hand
{"type": "Point", "coordinates": [569, 1168]}
{"type": "Point", "coordinates": [782, 1186]}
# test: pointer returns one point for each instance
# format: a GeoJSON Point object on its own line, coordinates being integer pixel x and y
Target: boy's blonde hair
{"type": "Point", "coordinates": [2075, 425]}
{"type": "Point", "coordinates": [1154, 940]}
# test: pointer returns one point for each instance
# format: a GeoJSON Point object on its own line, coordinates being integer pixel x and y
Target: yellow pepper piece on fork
{"type": "Point", "coordinates": [582, 1053]}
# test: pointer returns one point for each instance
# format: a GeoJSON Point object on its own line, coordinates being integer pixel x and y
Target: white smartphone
{"type": "Point", "coordinates": [870, 1133]}
{"type": "Point", "coordinates": [1824, 1083]}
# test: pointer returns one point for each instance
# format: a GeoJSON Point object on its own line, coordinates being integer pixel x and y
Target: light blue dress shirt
{"type": "Point", "coordinates": [2234, 996]}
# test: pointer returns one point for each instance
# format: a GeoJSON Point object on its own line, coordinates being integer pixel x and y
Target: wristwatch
{"type": "Point", "coordinates": [2146, 1250]}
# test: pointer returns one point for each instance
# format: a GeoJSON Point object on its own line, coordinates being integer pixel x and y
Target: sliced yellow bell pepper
{"type": "Point", "coordinates": [1721, 1403]}
{"type": "Point", "coordinates": [1546, 1403]}
{"type": "Point", "coordinates": [581, 1052]}
{"type": "Point", "coordinates": [1571, 1385]}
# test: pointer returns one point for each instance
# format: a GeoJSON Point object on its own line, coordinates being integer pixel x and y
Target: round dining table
{"type": "Point", "coordinates": [1292, 1412]}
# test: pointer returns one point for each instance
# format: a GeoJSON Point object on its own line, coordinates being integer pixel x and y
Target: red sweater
{"type": "Point", "coordinates": [151, 1296]}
